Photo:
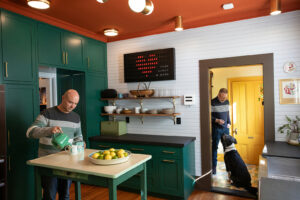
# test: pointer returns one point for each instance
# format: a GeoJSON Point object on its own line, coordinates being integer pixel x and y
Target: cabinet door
{"type": "Point", "coordinates": [18, 47]}
{"type": "Point", "coordinates": [73, 48]}
{"type": "Point", "coordinates": [170, 174]}
{"type": "Point", "coordinates": [19, 116]}
{"type": "Point", "coordinates": [95, 55]}
{"type": "Point", "coordinates": [49, 46]}
{"type": "Point", "coordinates": [95, 83]}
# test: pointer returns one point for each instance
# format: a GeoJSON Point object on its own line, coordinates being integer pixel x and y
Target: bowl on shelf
{"type": "Point", "coordinates": [167, 111]}
{"type": "Point", "coordinates": [110, 109]}
{"type": "Point", "coordinates": [126, 111]}
{"type": "Point", "coordinates": [142, 93]}
{"type": "Point", "coordinates": [152, 111]}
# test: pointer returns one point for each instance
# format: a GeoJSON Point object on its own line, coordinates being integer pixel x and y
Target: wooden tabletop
{"type": "Point", "coordinates": [64, 161]}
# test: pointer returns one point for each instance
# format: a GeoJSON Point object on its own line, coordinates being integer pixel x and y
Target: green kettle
{"type": "Point", "coordinates": [60, 140]}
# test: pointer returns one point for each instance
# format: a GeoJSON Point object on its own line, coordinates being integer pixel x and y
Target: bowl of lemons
{"type": "Point", "coordinates": [110, 156]}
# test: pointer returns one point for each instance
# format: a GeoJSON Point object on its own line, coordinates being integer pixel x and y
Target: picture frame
{"type": "Point", "coordinates": [289, 91]}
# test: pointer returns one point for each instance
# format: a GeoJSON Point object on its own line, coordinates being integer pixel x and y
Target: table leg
{"type": "Point", "coordinates": [112, 187]}
{"type": "Point", "coordinates": [38, 184]}
{"type": "Point", "coordinates": [143, 180]}
{"type": "Point", "coordinates": [77, 190]}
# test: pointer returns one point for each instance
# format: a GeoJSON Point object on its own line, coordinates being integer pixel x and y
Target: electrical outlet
{"type": "Point", "coordinates": [178, 120]}
{"type": "Point", "coordinates": [127, 120]}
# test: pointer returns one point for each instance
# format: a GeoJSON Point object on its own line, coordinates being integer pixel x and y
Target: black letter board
{"type": "Point", "coordinates": [155, 65]}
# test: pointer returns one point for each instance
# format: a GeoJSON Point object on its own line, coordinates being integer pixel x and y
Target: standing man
{"type": "Point", "coordinates": [220, 120]}
{"type": "Point", "coordinates": [58, 119]}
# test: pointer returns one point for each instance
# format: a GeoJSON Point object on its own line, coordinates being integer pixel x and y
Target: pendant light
{"type": "Point", "coordinates": [102, 1]}
{"type": "Point", "coordinates": [141, 6]}
{"type": "Point", "coordinates": [178, 23]}
{"type": "Point", "coordinates": [39, 4]}
{"type": "Point", "coordinates": [111, 32]}
{"type": "Point", "coordinates": [275, 7]}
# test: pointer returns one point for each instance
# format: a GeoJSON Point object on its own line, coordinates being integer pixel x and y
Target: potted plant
{"type": "Point", "coordinates": [292, 129]}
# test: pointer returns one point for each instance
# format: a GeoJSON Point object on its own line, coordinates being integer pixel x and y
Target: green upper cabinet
{"type": "Point", "coordinates": [49, 46]}
{"type": "Point", "coordinates": [57, 47]}
{"type": "Point", "coordinates": [73, 50]}
{"type": "Point", "coordinates": [18, 48]}
{"type": "Point", "coordinates": [95, 55]}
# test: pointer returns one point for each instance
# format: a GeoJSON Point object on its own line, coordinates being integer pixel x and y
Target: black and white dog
{"type": "Point", "coordinates": [235, 166]}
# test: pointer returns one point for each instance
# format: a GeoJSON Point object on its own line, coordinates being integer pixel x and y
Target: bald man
{"type": "Point", "coordinates": [58, 119]}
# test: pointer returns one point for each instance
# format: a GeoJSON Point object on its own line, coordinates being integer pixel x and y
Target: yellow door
{"type": "Point", "coordinates": [247, 116]}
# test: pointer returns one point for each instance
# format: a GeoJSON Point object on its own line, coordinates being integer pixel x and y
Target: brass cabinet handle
{"type": "Point", "coordinates": [169, 161]}
{"type": "Point", "coordinates": [8, 137]}
{"type": "Point", "coordinates": [63, 57]}
{"type": "Point", "coordinates": [250, 137]}
{"type": "Point", "coordinates": [66, 57]}
{"type": "Point", "coordinates": [169, 152]}
{"type": "Point", "coordinates": [136, 149]}
{"type": "Point", "coordinates": [88, 60]}
{"type": "Point", "coordinates": [8, 163]}
{"type": "Point", "coordinates": [6, 70]}
{"type": "Point", "coordinates": [103, 146]}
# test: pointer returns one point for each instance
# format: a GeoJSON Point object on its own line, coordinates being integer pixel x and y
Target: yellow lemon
{"type": "Point", "coordinates": [120, 154]}
{"type": "Point", "coordinates": [112, 149]}
{"type": "Point", "coordinates": [106, 152]}
{"type": "Point", "coordinates": [95, 155]}
{"type": "Point", "coordinates": [121, 151]}
{"type": "Point", "coordinates": [101, 157]}
{"type": "Point", "coordinates": [125, 154]}
{"type": "Point", "coordinates": [107, 157]}
{"type": "Point", "coordinates": [112, 153]}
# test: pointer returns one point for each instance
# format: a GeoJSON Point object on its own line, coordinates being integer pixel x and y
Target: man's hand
{"type": "Point", "coordinates": [220, 121]}
{"type": "Point", "coordinates": [56, 129]}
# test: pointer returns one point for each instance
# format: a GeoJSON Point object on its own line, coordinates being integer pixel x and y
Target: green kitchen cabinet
{"type": "Point", "coordinates": [171, 170]}
{"type": "Point", "coordinates": [95, 55]}
{"type": "Point", "coordinates": [49, 45]}
{"type": "Point", "coordinates": [95, 83]}
{"type": "Point", "coordinates": [20, 113]}
{"type": "Point", "coordinates": [18, 48]}
{"type": "Point", "coordinates": [73, 50]}
{"type": "Point", "coordinates": [59, 48]}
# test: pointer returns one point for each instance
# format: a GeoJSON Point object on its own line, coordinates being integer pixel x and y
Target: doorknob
{"type": "Point", "coordinates": [235, 131]}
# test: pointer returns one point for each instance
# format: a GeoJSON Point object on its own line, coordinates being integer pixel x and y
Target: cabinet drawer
{"type": "Point", "coordinates": [104, 145]}
{"type": "Point", "coordinates": [170, 152]}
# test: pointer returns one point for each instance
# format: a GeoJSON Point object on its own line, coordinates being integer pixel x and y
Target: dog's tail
{"type": "Point", "coordinates": [252, 190]}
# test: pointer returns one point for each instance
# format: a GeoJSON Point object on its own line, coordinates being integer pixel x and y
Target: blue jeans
{"type": "Point", "coordinates": [52, 185]}
{"type": "Point", "coordinates": [216, 136]}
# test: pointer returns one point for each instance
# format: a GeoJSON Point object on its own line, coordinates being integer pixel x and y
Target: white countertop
{"type": "Point", "coordinates": [64, 161]}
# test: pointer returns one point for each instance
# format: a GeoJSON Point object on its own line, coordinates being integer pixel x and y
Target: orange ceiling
{"type": "Point", "coordinates": [90, 18]}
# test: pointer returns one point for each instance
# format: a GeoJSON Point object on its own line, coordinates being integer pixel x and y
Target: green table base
{"type": "Point", "coordinates": [78, 178]}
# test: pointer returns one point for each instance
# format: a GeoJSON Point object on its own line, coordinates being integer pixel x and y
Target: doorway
{"type": "Point", "coordinates": [244, 84]}
{"type": "Point", "coordinates": [266, 60]}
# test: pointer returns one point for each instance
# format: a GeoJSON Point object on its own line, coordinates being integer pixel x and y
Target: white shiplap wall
{"type": "Point", "coordinates": [271, 34]}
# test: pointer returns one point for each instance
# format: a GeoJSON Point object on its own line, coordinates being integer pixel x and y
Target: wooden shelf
{"type": "Point", "coordinates": [142, 114]}
{"type": "Point", "coordinates": [138, 98]}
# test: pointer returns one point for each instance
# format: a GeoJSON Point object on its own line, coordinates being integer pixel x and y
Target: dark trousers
{"type": "Point", "coordinates": [52, 185]}
{"type": "Point", "coordinates": [216, 136]}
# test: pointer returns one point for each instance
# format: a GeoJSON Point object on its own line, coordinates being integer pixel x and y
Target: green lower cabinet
{"type": "Point", "coordinates": [19, 116]}
{"type": "Point", "coordinates": [170, 181]}
{"type": "Point", "coordinates": [169, 171]}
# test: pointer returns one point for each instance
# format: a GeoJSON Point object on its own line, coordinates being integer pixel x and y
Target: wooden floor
{"type": "Point", "coordinates": [94, 193]}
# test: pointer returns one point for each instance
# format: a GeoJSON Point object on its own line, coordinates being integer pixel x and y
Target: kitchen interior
{"type": "Point", "coordinates": [145, 88]}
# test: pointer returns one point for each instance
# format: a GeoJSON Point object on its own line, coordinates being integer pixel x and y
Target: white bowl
{"type": "Point", "coordinates": [110, 109]}
{"type": "Point", "coordinates": [109, 162]}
